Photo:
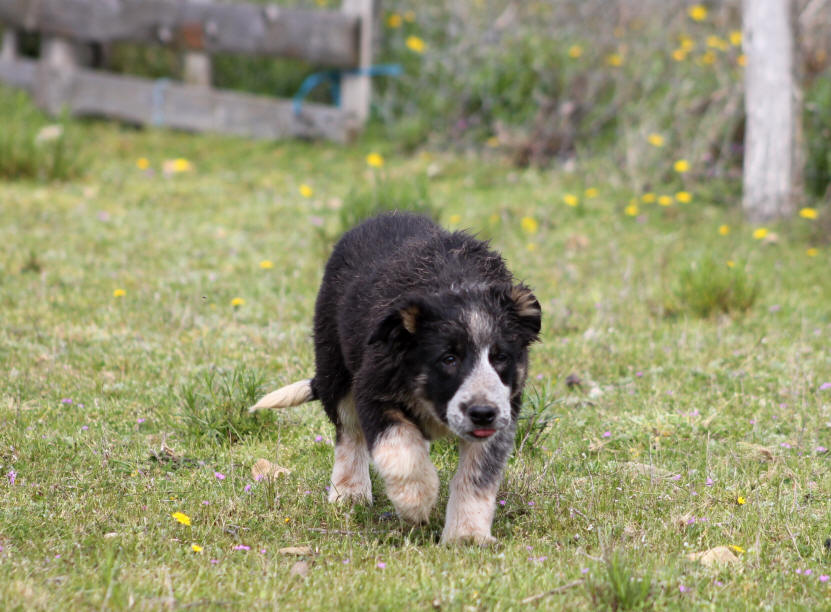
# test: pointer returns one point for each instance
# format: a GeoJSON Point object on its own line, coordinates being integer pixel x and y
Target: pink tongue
{"type": "Point", "coordinates": [483, 433]}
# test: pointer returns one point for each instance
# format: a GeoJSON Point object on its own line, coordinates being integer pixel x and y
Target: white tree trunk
{"type": "Point", "coordinates": [772, 159]}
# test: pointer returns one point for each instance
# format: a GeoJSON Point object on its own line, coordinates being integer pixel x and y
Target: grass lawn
{"type": "Point", "coordinates": [143, 309]}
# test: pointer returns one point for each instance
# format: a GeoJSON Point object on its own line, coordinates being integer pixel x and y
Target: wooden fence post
{"type": "Point", "coordinates": [772, 159]}
{"type": "Point", "coordinates": [196, 68]}
{"type": "Point", "coordinates": [355, 89]}
{"type": "Point", "coordinates": [8, 51]}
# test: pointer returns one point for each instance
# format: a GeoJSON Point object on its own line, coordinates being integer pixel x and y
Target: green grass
{"type": "Point", "coordinates": [116, 412]}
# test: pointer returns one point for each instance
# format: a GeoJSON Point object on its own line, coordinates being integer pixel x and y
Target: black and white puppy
{"type": "Point", "coordinates": [419, 333]}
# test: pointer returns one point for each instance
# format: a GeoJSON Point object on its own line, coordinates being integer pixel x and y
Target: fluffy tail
{"type": "Point", "coordinates": [294, 394]}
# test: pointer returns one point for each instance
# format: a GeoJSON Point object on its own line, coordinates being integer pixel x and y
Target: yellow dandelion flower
{"type": "Point", "coordinates": [656, 140]}
{"type": "Point", "coordinates": [679, 55]}
{"type": "Point", "coordinates": [760, 233]}
{"type": "Point", "coordinates": [266, 264]}
{"type": "Point", "coordinates": [717, 42]}
{"type": "Point", "coordinates": [409, 16]}
{"type": "Point", "coordinates": [812, 252]}
{"type": "Point", "coordinates": [454, 219]}
{"type": "Point", "coordinates": [531, 246]}
{"type": "Point", "coordinates": [723, 229]}
{"type": "Point", "coordinates": [681, 166]}
{"type": "Point", "coordinates": [614, 59]}
{"type": "Point", "coordinates": [142, 163]}
{"type": "Point", "coordinates": [687, 43]}
{"type": "Point", "coordinates": [196, 548]}
{"type": "Point", "coordinates": [741, 500]}
{"type": "Point", "coordinates": [181, 517]}
{"type": "Point", "coordinates": [306, 191]}
{"type": "Point", "coordinates": [180, 164]}
{"type": "Point", "coordinates": [741, 60]}
{"type": "Point", "coordinates": [529, 225]}
{"type": "Point", "coordinates": [575, 51]}
{"type": "Point", "coordinates": [374, 160]}
{"type": "Point", "coordinates": [648, 198]}
{"type": "Point", "coordinates": [570, 199]}
{"type": "Point", "coordinates": [492, 142]}
{"type": "Point", "coordinates": [697, 12]}
{"type": "Point", "coordinates": [808, 213]}
{"type": "Point", "coordinates": [237, 302]}
{"type": "Point", "coordinates": [591, 192]}
{"type": "Point", "coordinates": [119, 293]}
{"type": "Point", "coordinates": [394, 20]}
{"type": "Point", "coordinates": [731, 263]}
{"type": "Point", "coordinates": [735, 37]}
{"type": "Point", "coordinates": [287, 519]}
{"type": "Point", "coordinates": [684, 197]}
{"type": "Point", "coordinates": [493, 219]}
{"type": "Point", "coordinates": [737, 549]}
{"type": "Point", "coordinates": [414, 43]}
{"type": "Point", "coordinates": [632, 210]}
{"type": "Point", "coordinates": [707, 59]}
{"type": "Point", "coordinates": [665, 200]}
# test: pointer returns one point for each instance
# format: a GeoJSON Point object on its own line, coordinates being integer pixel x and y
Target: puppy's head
{"type": "Point", "coordinates": [464, 353]}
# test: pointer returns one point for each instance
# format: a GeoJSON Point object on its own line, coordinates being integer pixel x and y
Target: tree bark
{"type": "Point", "coordinates": [772, 181]}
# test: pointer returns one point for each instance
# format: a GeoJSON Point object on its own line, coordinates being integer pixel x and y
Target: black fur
{"type": "Point", "coordinates": [398, 271]}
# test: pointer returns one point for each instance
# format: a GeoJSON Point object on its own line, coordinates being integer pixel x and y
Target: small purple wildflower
{"type": "Point", "coordinates": [719, 583]}
{"type": "Point", "coordinates": [140, 420]}
{"type": "Point", "coordinates": [775, 308]}
{"type": "Point", "coordinates": [676, 477]}
{"type": "Point", "coordinates": [258, 477]}
{"type": "Point", "coordinates": [539, 376]}
{"type": "Point", "coordinates": [709, 482]}
{"type": "Point", "coordinates": [12, 476]}
{"type": "Point", "coordinates": [752, 421]}
{"type": "Point", "coordinates": [380, 565]}
{"type": "Point", "coordinates": [57, 556]}
{"type": "Point", "coordinates": [683, 589]}
{"type": "Point", "coordinates": [219, 475]}
{"type": "Point", "coordinates": [825, 386]}
{"type": "Point", "coordinates": [502, 502]}
{"type": "Point", "coordinates": [585, 570]}
{"type": "Point", "coordinates": [307, 492]}
{"type": "Point", "coordinates": [214, 561]}
{"type": "Point", "coordinates": [807, 572]}
{"type": "Point", "coordinates": [797, 571]}
{"type": "Point", "coordinates": [242, 547]}
{"type": "Point", "coordinates": [247, 488]}
{"type": "Point", "coordinates": [607, 434]}
{"type": "Point", "coordinates": [820, 449]}
{"type": "Point", "coordinates": [785, 445]}
{"type": "Point", "coordinates": [66, 400]}
{"type": "Point", "coordinates": [345, 561]}
{"type": "Point", "coordinates": [84, 427]}
{"type": "Point", "coordinates": [530, 503]}
{"type": "Point", "coordinates": [823, 578]}
{"type": "Point", "coordinates": [205, 502]}
{"type": "Point", "coordinates": [318, 438]}
{"type": "Point", "coordinates": [262, 551]}
{"type": "Point", "coordinates": [638, 374]}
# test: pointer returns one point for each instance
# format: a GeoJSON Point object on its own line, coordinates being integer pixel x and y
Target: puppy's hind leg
{"type": "Point", "coordinates": [350, 473]}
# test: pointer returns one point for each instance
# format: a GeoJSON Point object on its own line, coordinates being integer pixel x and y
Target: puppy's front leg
{"type": "Point", "coordinates": [402, 456]}
{"type": "Point", "coordinates": [473, 489]}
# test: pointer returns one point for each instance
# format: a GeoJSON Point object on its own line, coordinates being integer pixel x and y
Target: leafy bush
{"type": "Point", "coordinates": [620, 588]}
{"type": "Point", "coordinates": [32, 146]}
{"type": "Point", "coordinates": [707, 286]}
{"type": "Point", "coordinates": [216, 406]}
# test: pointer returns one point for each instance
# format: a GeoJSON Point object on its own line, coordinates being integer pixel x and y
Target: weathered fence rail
{"type": "Point", "coordinates": [336, 39]}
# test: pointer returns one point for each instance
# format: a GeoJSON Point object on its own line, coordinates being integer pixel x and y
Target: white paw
{"type": "Point", "coordinates": [350, 493]}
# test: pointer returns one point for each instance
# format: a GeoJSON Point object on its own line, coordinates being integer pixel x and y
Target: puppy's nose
{"type": "Point", "coordinates": [481, 415]}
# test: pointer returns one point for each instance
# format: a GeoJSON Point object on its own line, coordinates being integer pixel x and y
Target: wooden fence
{"type": "Point", "coordinates": [60, 80]}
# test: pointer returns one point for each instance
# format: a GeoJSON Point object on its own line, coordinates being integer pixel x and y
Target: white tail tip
{"type": "Point", "coordinates": [294, 394]}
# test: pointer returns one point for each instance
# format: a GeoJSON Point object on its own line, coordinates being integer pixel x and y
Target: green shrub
{"type": "Point", "coordinates": [33, 146]}
{"type": "Point", "coordinates": [215, 407]}
{"type": "Point", "coordinates": [707, 286]}
{"type": "Point", "coordinates": [619, 588]}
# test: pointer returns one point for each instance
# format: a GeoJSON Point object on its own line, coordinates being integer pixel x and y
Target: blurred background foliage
{"type": "Point", "coordinates": [640, 81]}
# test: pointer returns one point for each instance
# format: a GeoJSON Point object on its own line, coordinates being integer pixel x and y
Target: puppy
{"type": "Point", "coordinates": [419, 333]}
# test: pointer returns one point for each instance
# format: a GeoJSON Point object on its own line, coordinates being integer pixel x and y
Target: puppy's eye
{"type": "Point", "coordinates": [500, 357]}
{"type": "Point", "coordinates": [450, 360]}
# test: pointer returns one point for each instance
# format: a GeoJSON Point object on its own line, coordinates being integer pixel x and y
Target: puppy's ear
{"type": "Point", "coordinates": [527, 309]}
{"type": "Point", "coordinates": [400, 322]}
